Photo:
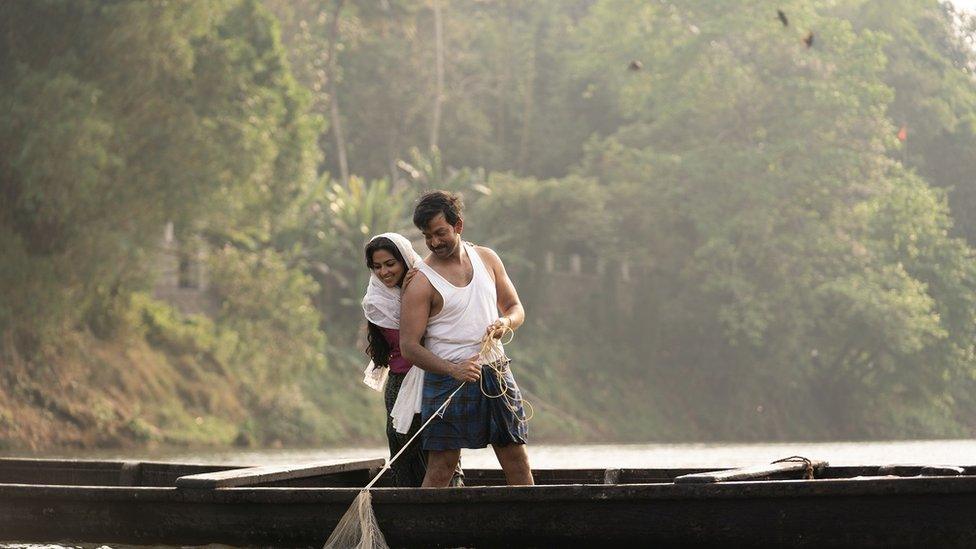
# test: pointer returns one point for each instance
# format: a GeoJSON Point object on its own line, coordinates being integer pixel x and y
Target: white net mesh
{"type": "Point", "coordinates": [358, 527]}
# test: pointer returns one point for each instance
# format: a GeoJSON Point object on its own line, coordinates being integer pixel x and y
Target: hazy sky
{"type": "Point", "coordinates": [968, 5]}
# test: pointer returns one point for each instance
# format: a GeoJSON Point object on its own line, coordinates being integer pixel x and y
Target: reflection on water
{"type": "Point", "coordinates": [547, 456]}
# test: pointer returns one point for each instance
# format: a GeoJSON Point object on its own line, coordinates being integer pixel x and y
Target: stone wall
{"type": "Point", "coordinates": [574, 284]}
{"type": "Point", "coordinates": [181, 275]}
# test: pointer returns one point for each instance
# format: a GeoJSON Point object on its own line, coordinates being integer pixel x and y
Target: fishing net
{"type": "Point", "coordinates": [358, 527]}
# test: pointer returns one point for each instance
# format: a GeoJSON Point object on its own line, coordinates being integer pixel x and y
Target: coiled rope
{"type": "Point", "coordinates": [807, 472]}
{"type": "Point", "coordinates": [492, 355]}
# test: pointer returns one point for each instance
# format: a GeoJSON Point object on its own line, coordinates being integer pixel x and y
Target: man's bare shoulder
{"type": "Point", "coordinates": [488, 255]}
{"type": "Point", "coordinates": [419, 286]}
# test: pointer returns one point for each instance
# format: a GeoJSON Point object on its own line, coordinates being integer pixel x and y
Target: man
{"type": "Point", "coordinates": [451, 304]}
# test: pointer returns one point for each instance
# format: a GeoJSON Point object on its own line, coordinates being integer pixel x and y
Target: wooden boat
{"type": "Point", "coordinates": [774, 505]}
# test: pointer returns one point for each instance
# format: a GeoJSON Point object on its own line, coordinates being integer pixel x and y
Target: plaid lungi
{"type": "Point", "coordinates": [473, 420]}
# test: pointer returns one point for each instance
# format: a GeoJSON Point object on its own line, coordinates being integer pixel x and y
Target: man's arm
{"type": "Point", "coordinates": [509, 305]}
{"type": "Point", "coordinates": [414, 312]}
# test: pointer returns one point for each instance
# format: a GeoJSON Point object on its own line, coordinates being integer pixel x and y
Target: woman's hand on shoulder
{"type": "Point", "coordinates": [408, 277]}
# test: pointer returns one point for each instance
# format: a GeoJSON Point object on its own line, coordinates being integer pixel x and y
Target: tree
{"type": "Point", "coordinates": [930, 68]}
{"type": "Point", "coordinates": [760, 261]}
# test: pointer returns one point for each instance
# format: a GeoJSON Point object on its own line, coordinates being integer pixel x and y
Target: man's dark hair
{"type": "Point", "coordinates": [438, 202]}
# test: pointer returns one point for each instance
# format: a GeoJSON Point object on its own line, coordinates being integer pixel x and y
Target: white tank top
{"type": "Point", "coordinates": [455, 333]}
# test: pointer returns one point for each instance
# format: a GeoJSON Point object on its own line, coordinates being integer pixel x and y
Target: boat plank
{"type": "Point", "coordinates": [99, 473]}
{"type": "Point", "coordinates": [273, 473]}
{"type": "Point", "coordinates": [942, 471]}
{"type": "Point", "coordinates": [916, 469]}
{"type": "Point", "coordinates": [750, 473]}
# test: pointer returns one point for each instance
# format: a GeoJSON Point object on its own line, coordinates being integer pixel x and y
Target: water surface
{"type": "Point", "coordinates": [550, 456]}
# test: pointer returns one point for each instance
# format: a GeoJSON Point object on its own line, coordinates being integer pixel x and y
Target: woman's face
{"type": "Point", "coordinates": [387, 268]}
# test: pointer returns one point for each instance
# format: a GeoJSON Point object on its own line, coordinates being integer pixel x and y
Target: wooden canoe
{"type": "Point", "coordinates": [182, 504]}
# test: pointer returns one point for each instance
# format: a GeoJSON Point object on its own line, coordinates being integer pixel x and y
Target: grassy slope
{"type": "Point", "coordinates": [129, 392]}
{"type": "Point", "coordinates": [88, 393]}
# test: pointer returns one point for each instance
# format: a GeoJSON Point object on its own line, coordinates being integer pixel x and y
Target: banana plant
{"type": "Point", "coordinates": [339, 220]}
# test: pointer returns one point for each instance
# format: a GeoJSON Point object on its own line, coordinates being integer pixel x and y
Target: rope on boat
{"type": "Point", "coordinates": [493, 355]}
{"type": "Point", "coordinates": [808, 473]}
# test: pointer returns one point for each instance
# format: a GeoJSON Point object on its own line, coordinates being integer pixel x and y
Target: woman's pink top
{"type": "Point", "coordinates": [398, 364]}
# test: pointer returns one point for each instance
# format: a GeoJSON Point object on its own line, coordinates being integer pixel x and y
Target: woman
{"type": "Point", "coordinates": [390, 256]}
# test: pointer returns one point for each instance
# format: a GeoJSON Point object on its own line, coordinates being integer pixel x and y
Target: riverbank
{"type": "Point", "coordinates": [166, 381]}
{"type": "Point", "coordinates": [132, 392]}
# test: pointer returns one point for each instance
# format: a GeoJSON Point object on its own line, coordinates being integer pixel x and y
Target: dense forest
{"type": "Point", "coordinates": [727, 220]}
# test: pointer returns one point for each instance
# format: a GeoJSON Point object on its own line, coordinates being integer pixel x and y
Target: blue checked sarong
{"type": "Point", "coordinates": [472, 420]}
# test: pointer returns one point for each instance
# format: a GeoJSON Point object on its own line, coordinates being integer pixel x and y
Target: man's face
{"type": "Point", "coordinates": [441, 237]}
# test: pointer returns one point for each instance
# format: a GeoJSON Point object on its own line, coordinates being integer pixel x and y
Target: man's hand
{"type": "Point", "coordinates": [497, 329]}
{"type": "Point", "coordinates": [469, 370]}
{"type": "Point", "coordinates": [408, 277]}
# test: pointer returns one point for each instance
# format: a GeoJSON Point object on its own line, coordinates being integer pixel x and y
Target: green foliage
{"type": "Point", "coordinates": [149, 112]}
{"type": "Point", "coordinates": [166, 328]}
{"type": "Point", "coordinates": [528, 218]}
{"type": "Point", "coordinates": [762, 220]}
{"type": "Point", "coordinates": [427, 171]}
{"type": "Point", "coordinates": [259, 112]}
{"type": "Point", "coordinates": [793, 266]}
{"type": "Point", "coordinates": [930, 61]}
{"type": "Point", "coordinates": [268, 306]}
{"type": "Point", "coordinates": [332, 229]}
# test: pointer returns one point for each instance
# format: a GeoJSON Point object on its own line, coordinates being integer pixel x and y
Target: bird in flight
{"type": "Point", "coordinates": [782, 18]}
{"type": "Point", "coordinates": [808, 39]}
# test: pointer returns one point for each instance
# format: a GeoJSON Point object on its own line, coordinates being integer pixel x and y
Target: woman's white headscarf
{"type": "Point", "coordinates": [381, 305]}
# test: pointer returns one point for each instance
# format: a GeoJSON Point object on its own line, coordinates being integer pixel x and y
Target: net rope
{"type": "Point", "coordinates": [358, 527]}
{"type": "Point", "coordinates": [492, 356]}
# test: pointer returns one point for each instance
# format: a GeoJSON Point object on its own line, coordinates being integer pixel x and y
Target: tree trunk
{"type": "Point", "coordinates": [334, 96]}
{"type": "Point", "coordinates": [528, 104]}
{"type": "Point", "coordinates": [435, 126]}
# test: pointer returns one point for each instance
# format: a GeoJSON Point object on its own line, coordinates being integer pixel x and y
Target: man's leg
{"type": "Point", "coordinates": [440, 467]}
{"type": "Point", "coordinates": [515, 462]}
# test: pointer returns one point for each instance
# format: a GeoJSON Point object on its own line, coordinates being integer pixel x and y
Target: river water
{"type": "Point", "coordinates": [549, 456]}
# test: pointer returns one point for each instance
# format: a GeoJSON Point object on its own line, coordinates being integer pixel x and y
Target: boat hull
{"type": "Point", "coordinates": [870, 512]}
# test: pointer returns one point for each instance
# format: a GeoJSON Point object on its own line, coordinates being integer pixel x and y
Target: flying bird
{"type": "Point", "coordinates": [782, 18]}
{"type": "Point", "coordinates": [808, 39]}
{"type": "Point", "coordinates": [635, 65]}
